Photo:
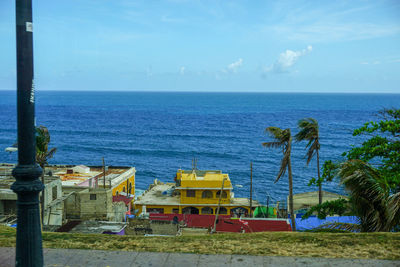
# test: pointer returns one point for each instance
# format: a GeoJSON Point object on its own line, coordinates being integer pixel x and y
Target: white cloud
{"type": "Point", "coordinates": [233, 67]}
{"type": "Point", "coordinates": [287, 59]}
{"type": "Point", "coordinates": [333, 22]}
{"type": "Point", "coordinates": [182, 70]}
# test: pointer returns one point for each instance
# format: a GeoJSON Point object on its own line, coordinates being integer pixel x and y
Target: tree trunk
{"type": "Point", "coordinates": [319, 182]}
{"type": "Point", "coordinates": [293, 218]}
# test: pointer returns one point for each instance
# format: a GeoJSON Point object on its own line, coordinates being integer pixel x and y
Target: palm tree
{"type": "Point", "coordinates": [283, 139]}
{"type": "Point", "coordinates": [309, 131]}
{"type": "Point", "coordinates": [370, 196]}
{"type": "Point", "coordinates": [43, 153]}
{"type": "Point", "coordinates": [42, 146]}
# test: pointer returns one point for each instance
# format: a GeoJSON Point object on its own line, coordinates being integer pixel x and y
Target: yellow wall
{"type": "Point", "coordinates": [123, 184]}
{"type": "Point", "coordinates": [199, 200]}
{"type": "Point", "coordinates": [210, 180]}
{"type": "Point", "coordinates": [168, 209]}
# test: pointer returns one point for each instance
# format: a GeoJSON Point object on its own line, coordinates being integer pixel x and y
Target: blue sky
{"type": "Point", "coordinates": [178, 45]}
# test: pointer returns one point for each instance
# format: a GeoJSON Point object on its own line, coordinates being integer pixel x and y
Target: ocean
{"type": "Point", "coordinates": [158, 133]}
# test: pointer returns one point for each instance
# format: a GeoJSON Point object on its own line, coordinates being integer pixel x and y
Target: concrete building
{"type": "Point", "coordinates": [306, 200]}
{"type": "Point", "coordinates": [53, 198]}
{"type": "Point", "coordinates": [96, 193]}
{"type": "Point", "coordinates": [75, 192]}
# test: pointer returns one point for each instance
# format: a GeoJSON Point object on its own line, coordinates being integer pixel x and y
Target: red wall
{"type": "Point", "coordinates": [227, 224]}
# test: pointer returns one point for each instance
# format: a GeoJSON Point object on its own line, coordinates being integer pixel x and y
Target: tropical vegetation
{"type": "Point", "coordinates": [309, 131]}
{"type": "Point", "coordinates": [371, 175]}
{"type": "Point", "coordinates": [43, 153]}
{"type": "Point", "coordinates": [283, 139]}
{"type": "Point", "coordinates": [382, 149]}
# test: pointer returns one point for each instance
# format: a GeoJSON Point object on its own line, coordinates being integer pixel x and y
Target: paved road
{"type": "Point", "coordinates": [99, 258]}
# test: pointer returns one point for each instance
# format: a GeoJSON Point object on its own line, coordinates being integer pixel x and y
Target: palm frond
{"type": "Point", "coordinates": [274, 132]}
{"type": "Point", "coordinates": [394, 210]}
{"type": "Point", "coordinates": [51, 153]}
{"type": "Point", "coordinates": [368, 197]}
{"type": "Point", "coordinates": [312, 151]}
{"type": "Point", "coordinates": [283, 167]}
{"type": "Point", "coordinates": [348, 227]}
{"type": "Point", "coordinates": [309, 131]}
{"type": "Point", "coordinates": [272, 144]}
{"type": "Point", "coordinates": [282, 139]}
{"type": "Point", "coordinates": [42, 143]}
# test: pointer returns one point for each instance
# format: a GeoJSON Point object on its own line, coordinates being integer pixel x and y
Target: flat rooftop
{"type": "Point", "coordinates": [6, 178]}
{"type": "Point", "coordinates": [157, 195]}
{"type": "Point", "coordinates": [75, 175]}
{"type": "Point", "coordinates": [79, 175]}
{"type": "Point", "coordinates": [203, 179]}
{"type": "Point", "coordinates": [160, 194]}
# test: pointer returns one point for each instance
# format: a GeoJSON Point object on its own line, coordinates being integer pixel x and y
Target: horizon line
{"type": "Point", "coordinates": [197, 91]}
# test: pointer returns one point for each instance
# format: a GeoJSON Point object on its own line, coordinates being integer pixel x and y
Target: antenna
{"type": "Point", "coordinates": [251, 189]}
{"type": "Point", "coordinates": [104, 174]}
{"type": "Point", "coordinates": [194, 164]}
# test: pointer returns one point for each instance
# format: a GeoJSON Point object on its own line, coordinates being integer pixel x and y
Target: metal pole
{"type": "Point", "coordinates": [27, 186]}
{"type": "Point", "coordinates": [251, 189]}
{"type": "Point", "coordinates": [218, 208]}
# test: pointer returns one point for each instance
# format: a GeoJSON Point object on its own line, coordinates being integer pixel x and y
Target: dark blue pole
{"type": "Point", "coordinates": [27, 186]}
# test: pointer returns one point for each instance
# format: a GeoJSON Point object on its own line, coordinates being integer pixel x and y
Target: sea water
{"type": "Point", "coordinates": [159, 133]}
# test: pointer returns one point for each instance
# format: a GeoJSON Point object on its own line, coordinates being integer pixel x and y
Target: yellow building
{"type": "Point", "coordinates": [194, 192]}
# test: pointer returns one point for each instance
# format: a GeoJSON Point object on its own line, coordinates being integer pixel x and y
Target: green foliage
{"type": "Point", "coordinates": [282, 139]}
{"type": "Point", "coordinates": [338, 206]}
{"type": "Point", "coordinates": [309, 131]}
{"type": "Point", "coordinates": [42, 146]}
{"type": "Point", "coordinates": [371, 199]}
{"type": "Point", "coordinates": [382, 149]}
{"type": "Point", "coordinates": [329, 172]}
{"type": "Point", "coordinates": [371, 174]}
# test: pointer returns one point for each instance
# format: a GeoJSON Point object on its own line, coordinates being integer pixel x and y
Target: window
{"type": "Point", "coordinates": [224, 194]}
{"type": "Point", "coordinates": [123, 189]}
{"type": "Point", "coordinates": [206, 210]}
{"type": "Point", "coordinates": [93, 196]}
{"type": "Point", "coordinates": [190, 210]}
{"type": "Point", "coordinates": [175, 211]}
{"type": "Point", "coordinates": [54, 192]}
{"type": "Point", "coordinates": [207, 194]}
{"type": "Point", "coordinates": [223, 210]}
{"type": "Point", "coordinates": [190, 193]}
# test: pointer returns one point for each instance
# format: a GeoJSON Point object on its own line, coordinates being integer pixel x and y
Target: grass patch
{"type": "Point", "coordinates": [300, 244]}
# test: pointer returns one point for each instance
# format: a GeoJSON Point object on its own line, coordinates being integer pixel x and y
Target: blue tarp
{"type": "Point", "coordinates": [313, 222]}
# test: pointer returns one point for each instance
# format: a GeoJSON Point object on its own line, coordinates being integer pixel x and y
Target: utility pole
{"type": "Point", "coordinates": [104, 175]}
{"type": "Point", "coordinates": [218, 208]}
{"type": "Point", "coordinates": [27, 186]}
{"type": "Point", "coordinates": [251, 189]}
